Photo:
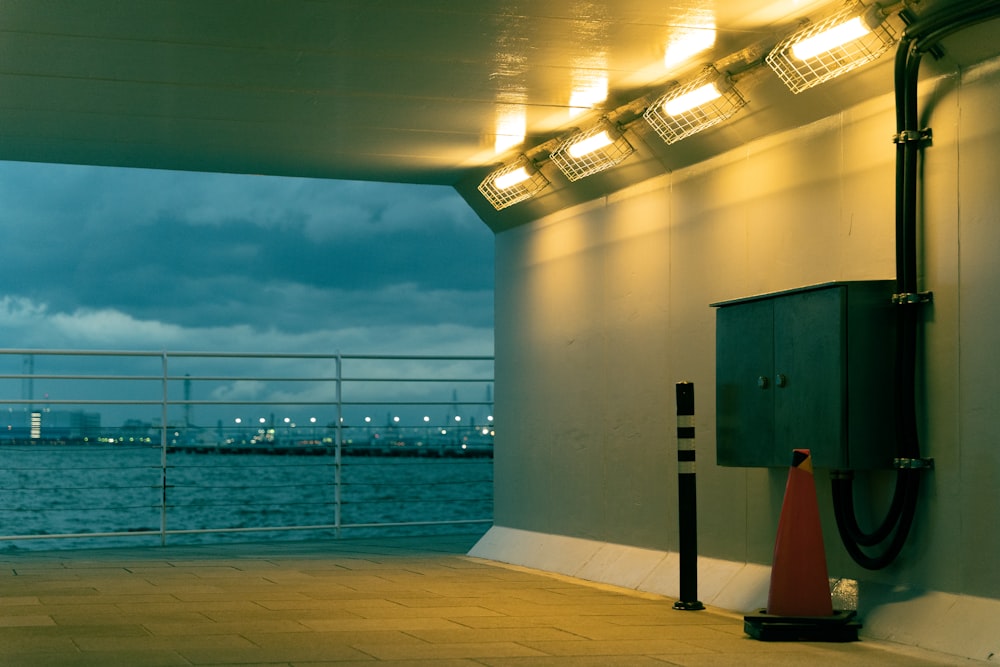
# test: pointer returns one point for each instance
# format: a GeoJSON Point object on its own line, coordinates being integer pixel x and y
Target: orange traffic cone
{"type": "Point", "coordinates": [798, 602]}
{"type": "Point", "coordinates": [799, 582]}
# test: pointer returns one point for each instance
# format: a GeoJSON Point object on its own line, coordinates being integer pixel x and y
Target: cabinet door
{"type": "Point", "coordinates": [744, 384]}
{"type": "Point", "coordinates": [809, 371]}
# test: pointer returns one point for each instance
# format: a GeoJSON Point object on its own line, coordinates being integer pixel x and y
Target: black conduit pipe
{"type": "Point", "coordinates": [921, 35]}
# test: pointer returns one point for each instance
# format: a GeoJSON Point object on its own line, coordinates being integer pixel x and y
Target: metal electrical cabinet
{"type": "Point", "coordinates": [807, 368]}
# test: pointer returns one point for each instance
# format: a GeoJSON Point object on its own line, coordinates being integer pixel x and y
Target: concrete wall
{"type": "Point", "coordinates": [603, 308]}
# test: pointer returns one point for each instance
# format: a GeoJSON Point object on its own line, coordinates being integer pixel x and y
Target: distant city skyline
{"type": "Point", "coordinates": [70, 395]}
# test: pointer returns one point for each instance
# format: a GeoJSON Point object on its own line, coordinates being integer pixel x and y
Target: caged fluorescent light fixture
{"type": "Point", "coordinates": [591, 151]}
{"type": "Point", "coordinates": [819, 52]}
{"type": "Point", "coordinates": [858, 33]}
{"type": "Point", "coordinates": [692, 107]}
{"type": "Point", "coordinates": [512, 183]}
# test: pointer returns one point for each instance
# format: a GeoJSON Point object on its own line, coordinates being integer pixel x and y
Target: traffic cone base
{"type": "Point", "coordinates": [841, 626]}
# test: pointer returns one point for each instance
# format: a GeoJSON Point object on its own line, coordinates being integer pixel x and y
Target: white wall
{"type": "Point", "coordinates": [603, 308]}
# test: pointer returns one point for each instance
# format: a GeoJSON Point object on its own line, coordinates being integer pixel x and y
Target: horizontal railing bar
{"type": "Point", "coordinates": [79, 353]}
{"type": "Point", "coordinates": [78, 401]}
{"type": "Point", "coordinates": [421, 357]}
{"type": "Point", "coordinates": [66, 536]}
{"type": "Point", "coordinates": [161, 353]}
{"type": "Point", "coordinates": [403, 524]}
{"type": "Point", "coordinates": [416, 402]}
{"type": "Point", "coordinates": [254, 529]}
{"type": "Point", "coordinates": [388, 379]}
{"type": "Point", "coordinates": [94, 401]}
{"type": "Point", "coordinates": [323, 526]}
{"type": "Point", "coordinates": [227, 378]}
{"type": "Point", "coordinates": [240, 355]}
{"type": "Point", "coordinates": [43, 376]}
{"type": "Point", "coordinates": [331, 378]}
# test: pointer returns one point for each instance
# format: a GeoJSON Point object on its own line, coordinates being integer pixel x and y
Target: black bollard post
{"type": "Point", "coordinates": [687, 502]}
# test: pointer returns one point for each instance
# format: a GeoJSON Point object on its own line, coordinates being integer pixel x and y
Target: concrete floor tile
{"type": "Point", "coordinates": [25, 620]}
{"type": "Point", "coordinates": [7, 602]}
{"type": "Point", "coordinates": [110, 616]}
{"type": "Point", "coordinates": [446, 651]}
{"type": "Point", "coordinates": [426, 601]}
{"type": "Point", "coordinates": [155, 643]}
{"type": "Point", "coordinates": [175, 605]}
{"type": "Point", "coordinates": [503, 621]}
{"type": "Point", "coordinates": [371, 624]}
{"type": "Point", "coordinates": [28, 644]}
{"type": "Point", "coordinates": [469, 636]}
{"type": "Point", "coordinates": [206, 593]}
{"type": "Point", "coordinates": [302, 653]}
{"type": "Point", "coordinates": [576, 661]}
{"type": "Point", "coordinates": [352, 638]}
{"type": "Point", "coordinates": [371, 662]}
{"type": "Point", "coordinates": [117, 629]}
{"type": "Point", "coordinates": [391, 610]}
{"type": "Point", "coordinates": [600, 630]}
{"type": "Point", "coordinates": [591, 647]}
{"type": "Point", "coordinates": [94, 659]}
{"type": "Point", "coordinates": [243, 628]}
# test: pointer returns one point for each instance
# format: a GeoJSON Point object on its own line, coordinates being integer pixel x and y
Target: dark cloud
{"type": "Point", "coordinates": [176, 255]}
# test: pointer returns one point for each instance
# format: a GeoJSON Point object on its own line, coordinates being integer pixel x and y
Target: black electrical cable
{"type": "Point", "coordinates": [921, 36]}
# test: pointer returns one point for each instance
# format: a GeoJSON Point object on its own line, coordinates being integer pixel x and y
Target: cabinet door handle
{"type": "Point", "coordinates": [762, 382]}
{"type": "Point", "coordinates": [780, 380]}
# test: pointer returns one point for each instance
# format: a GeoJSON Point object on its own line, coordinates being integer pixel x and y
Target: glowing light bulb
{"type": "Point", "coordinates": [692, 100]}
{"type": "Point", "coordinates": [830, 39]}
{"type": "Point", "coordinates": [511, 178]}
{"type": "Point", "coordinates": [590, 144]}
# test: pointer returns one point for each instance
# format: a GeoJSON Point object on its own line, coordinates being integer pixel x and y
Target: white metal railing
{"type": "Point", "coordinates": [93, 444]}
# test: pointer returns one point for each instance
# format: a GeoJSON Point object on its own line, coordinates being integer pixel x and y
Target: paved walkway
{"type": "Point", "coordinates": [406, 601]}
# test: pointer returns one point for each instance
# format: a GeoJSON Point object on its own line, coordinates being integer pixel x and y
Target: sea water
{"type": "Point", "coordinates": [86, 489]}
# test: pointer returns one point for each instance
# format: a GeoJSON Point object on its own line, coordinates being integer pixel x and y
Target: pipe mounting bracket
{"type": "Point", "coordinates": [913, 464]}
{"type": "Point", "coordinates": [923, 136]}
{"type": "Point", "coordinates": [912, 298]}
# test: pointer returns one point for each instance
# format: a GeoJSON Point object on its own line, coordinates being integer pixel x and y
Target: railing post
{"type": "Point", "coordinates": [163, 451]}
{"type": "Point", "coordinates": [687, 500]}
{"type": "Point", "coordinates": [338, 446]}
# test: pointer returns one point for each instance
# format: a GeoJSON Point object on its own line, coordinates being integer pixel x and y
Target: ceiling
{"type": "Point", "coordinates": [414, 91]}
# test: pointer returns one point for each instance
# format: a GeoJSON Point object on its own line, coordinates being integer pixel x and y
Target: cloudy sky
{"type": "Point", "coordinates": [102, 258]}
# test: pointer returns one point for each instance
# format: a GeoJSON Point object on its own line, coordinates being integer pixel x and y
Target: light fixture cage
{"type": "Point", "coordinates": [675, 127]}
{"type": "Point", "coordinates": [501, 198]}
{"type": "Point", "coordinates": [596, 161]}
{"type": "Point", "coordinates": [801, 75]}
